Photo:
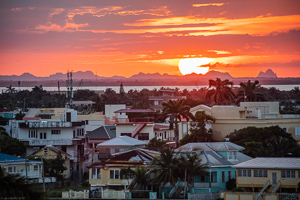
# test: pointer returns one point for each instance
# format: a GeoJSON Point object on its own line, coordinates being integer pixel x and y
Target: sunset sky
{"type": "Point", "coordinates": [123, 38]}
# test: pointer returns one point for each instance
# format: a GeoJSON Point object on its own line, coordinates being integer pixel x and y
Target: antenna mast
{"type": "Point", "coordinates": [69, 93]}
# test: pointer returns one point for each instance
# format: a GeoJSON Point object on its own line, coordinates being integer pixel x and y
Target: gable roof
{"type": "Point", "coordinates": [210, 153]}
{"type": "Point", "coordinates": [210, 146]}
{"type": "Point", "coordinates": [271, 163]}
{"type": "Point", "coordinates": [122, 141]}
{"type": "Point", "coordinates": [54, 149]}
{"type": "Point", "coordinates": [104, 132]}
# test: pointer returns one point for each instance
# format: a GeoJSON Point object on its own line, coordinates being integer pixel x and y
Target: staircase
{"type": "Point", "coordinates": [138, 129]}
{"type": "Point", "coordinates": [259, 195]}
{"type": "Point", "coordinates": [274, 188]}
{"type": "Point", "coordinates": [175, 192]}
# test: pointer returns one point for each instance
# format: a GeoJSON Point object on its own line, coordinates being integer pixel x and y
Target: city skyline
{"type": "Point", "coordinates": [124, 38]}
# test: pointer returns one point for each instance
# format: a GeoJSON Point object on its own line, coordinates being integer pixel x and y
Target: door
{"type": "Point", "coordinates": [274, 178]}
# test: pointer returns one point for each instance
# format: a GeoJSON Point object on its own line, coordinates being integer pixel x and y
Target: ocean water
{"type": "Point", "coordinates": [139, 88]}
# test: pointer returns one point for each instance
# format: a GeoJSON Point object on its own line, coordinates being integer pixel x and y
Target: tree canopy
{"type": "Point", "coordinates": [10, 145]}
{"type": "Point", "coordinates": [199, 133]}
{"type": "Point", "coordinates": [270, 141]}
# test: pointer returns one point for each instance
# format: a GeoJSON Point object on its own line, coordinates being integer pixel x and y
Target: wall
{"type": "Point", "coordinates": [110, 110]}
{"type": "Point", "coordinates": [261, 181]}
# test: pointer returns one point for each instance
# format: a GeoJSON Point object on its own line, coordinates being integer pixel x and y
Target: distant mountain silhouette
{"type": "Point", "coordinates": [268, 74]}
{"type": "Point", "coordinates": [141, 79]}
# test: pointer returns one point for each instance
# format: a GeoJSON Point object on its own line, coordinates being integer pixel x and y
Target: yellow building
{"type": "Point", "coordinates": [258, 114]}
{"type": "Point", "coordinates": [51, 152]}
{"type": "Point", "coordinates": [105, 175]}
{"type": "Point", "coordinates": [269, 175]}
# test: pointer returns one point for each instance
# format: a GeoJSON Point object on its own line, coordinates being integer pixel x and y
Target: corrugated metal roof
{"type": "Point", "coordinates": [210, 146]}
{"type": "Point", "coordinates": [122, 141]}
{"type": "Point", "coordinates": [271, 163]}
{"type": "Point", "coordinates": [103, 132]}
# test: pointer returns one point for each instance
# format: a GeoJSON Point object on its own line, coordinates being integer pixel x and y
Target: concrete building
{"type": "Point", "coordinates": [258, 114]}
{"type": "Point", "coordinates": [165, 95]}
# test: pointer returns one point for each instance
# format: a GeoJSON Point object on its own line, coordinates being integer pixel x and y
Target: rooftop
{"type": "Point", "coordinates": [135, 111]}
{"type": "Point", "coordinates": [271, 163]}
{"type": "Point", "coordinates": [122, 141]}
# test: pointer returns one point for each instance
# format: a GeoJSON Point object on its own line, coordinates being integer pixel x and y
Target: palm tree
{"type": "Point", "coordinates": [248, 92]}
{"type": "Point", "coordinates": [175, 110]}
{"type": "Point", "coordinates": [126, 173]}
{"type": "Point", "coordinates": [190, 166]}
{"type": "Point", "coordinates": [141, 179]}
{"type": "Point", "coordinates": [222, 92]}
{"type": "Point", "coordinates": [166, 168]}
{"type": "Point", "coordinates": [16, 186]}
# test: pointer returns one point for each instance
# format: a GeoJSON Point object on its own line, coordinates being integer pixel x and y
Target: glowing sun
{"type": "Point", "coordinates": [193, 65]}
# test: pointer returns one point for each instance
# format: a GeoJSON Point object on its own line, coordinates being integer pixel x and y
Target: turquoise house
{"type": "Point", "coordinates": [219, 158]}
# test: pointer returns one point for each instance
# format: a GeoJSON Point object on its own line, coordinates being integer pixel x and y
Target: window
{"type": "Point", "coordinates": [223, 176]}
{"type": "Point", "coordinates": [288, 174]}
{"type": "Point", "coordinates": [11, 169]}
{"type": "Point", "coordinates": [55, 132]}
{"type": "Point", "coordinates": [143, 136]}
{"type": "Point", "coordinates": [80, 132]}
{"type": "Point", "coordinates": [114, 174]}
{"type": "Point", "coordinates": [45, 151]}
{"type": "Point", "coordinates": [232, 155]}
{"type": "Point", "coordinates": [229, 175]}
{"type": "Point", "coordinates": [43, 135]}
{"type": "Point", "coordinates": [244, 173]}
{"type": "Point", "coordinates": [35, 168]}
{"type": "Point", "coordinates": [297, 131]}
{"type": "Point", "coordinates": [32, 134]}
{"type": "Point", "coordinates": [96, 173]}
{"type": "Point", "coordinates": [260, 173]}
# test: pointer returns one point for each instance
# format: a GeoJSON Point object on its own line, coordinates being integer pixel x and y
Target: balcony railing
{"type": "Point", "coordinates": [135, 120]}
{"type": "Point", "coordinates": [38, 142]}
{"type": "Point", "coordinates": [30, 174]}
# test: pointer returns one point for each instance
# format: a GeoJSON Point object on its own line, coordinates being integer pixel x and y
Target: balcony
{"type": "Point", "coordinates": [135, 120]}
{"type": "Point", "coordinates": [38, 142]}
{"type": "Point", "coordinates": [30, 174]}
{"type": "Point", "coordinates": [45, 124]}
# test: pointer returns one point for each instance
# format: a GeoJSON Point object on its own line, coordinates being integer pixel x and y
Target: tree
{"type": "Point", "coordinates": [55, 167]}
{"type": "Point", "coordinates": [248, 92]}
{"type": "Point", "coordinates": [166, 168]}
{"type": "Point", "coordinates": [126, 172]}
{"type": "Point", "coordinates": [10, 145]}
{"type": "Point", "coordinates": [222, 94]}
{"type": "Point", "coordinates": [270, 141]}
{"type": "Point", "coordinates": [156, 143]}
{"type": "Point", "coordinates": [141, 179]}
{"type": "Point", "coordinates": [10, 90]}
{"type": "Point", "coordinates": [175, 110]}
{"type": "Point", "coordinates": [16, 186]}
{"type": "Point", "coordinates": [199, 133]}
{"type": "Point", "coordinates": [189, 167]}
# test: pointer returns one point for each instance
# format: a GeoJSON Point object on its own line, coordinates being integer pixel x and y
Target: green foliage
{"type": "Point", "coordinates": [166, 167]}
{"type": "Point", "coordinates": [10, 145]}
{"type": "Point", "coordinates": [55, 167]}
{"type": "Point", "coordinates": [16, 186]}
{"type": "Point", "coordinates": [198, 131]}
{"type": "Point", "coordinates": [175, 110]}
{"type": "Point", "coordinates": [154, 142]}
{"type": "Point", "coordinates": [268, 142]}
{"type": "Point", "coordinates": [231, 184]}
{"type": "Point", "coordinates": [249, 92]}
{"type": "Point", "coordinates": [222, 93]}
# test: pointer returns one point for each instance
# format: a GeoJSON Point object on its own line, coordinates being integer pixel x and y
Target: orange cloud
{"type": "Point", "coordinates": [209, 4]}
{"type": "Point", "coordinates": [69, 27]}
{"type": "Point", "coordinates": [258, 26]}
